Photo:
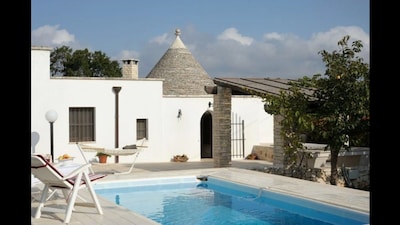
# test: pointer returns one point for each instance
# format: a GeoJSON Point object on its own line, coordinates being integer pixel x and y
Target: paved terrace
{"type": "Point", "coordinates": [242, 171]}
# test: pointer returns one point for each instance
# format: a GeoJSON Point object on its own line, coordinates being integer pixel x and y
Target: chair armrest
{"type": "Point", "coordinates": [77, 171]}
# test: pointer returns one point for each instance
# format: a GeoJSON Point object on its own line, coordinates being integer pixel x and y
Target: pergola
{"type": "Point", "coordinates": [223, 91]}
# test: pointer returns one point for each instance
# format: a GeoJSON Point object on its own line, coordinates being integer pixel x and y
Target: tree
{"type": "Point", "coordinates": [102, 66]}
{"type": "Point", "coordinates": [79, 64]}
{"type": "Point", "coordinates": [58, 58]}
{"type": "Point", "coordinates": [82, 63]}
{"type": "Point", "coordinates": [337, 110]}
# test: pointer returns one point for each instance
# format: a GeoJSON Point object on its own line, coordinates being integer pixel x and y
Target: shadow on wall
{"type": "Point", "coordinates": [34, 140]}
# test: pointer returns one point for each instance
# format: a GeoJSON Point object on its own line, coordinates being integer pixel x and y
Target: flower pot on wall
{"type": "Point", "coordinates": [180, 158]}
{"type": "Point", "coordinates": [103, 158]}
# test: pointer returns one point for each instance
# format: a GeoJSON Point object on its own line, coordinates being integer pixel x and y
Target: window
{"type": "Point", "coordinates": [81, 124]}
{"type": "Point", "coordinates": [141, 129]}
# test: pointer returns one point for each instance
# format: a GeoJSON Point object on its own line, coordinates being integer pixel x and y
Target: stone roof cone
{"type": "Point", "coordinates": [181, 72]}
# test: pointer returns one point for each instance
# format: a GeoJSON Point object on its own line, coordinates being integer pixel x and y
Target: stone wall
{"type": "Point", "coordinates": [322, 175]}
{"type": "Point", "coordinates": [316, 166]}
{"type": "Point", "coordinates": [278, 156]}
{"type": "Point", "coordinates": [263, 152]}
{"type": "Point", "coordinates": [222, 127]}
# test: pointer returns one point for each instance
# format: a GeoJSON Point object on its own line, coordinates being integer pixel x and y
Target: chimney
{"type": "Point", "coordinates": [130, 68]}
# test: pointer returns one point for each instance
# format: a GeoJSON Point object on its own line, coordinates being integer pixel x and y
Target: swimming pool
{"type": "Point", "coordinates": [188, 200]}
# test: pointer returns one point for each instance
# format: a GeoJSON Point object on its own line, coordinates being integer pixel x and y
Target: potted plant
{"type": "Point", "coordinates": [102, 157]}
{"type": "Point", "coordinates": [180, 158]}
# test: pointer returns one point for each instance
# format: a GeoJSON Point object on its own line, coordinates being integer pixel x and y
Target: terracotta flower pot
{"type": "Point", "coordinates": [103, 158]}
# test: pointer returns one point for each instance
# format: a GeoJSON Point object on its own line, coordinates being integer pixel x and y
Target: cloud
{"type": "Point", "coordinates": [231, 54]}
{"type": "Point", "coordinates": [233, 34]}
{"type": "Point", "coordinates": [128, 54]}
{"type": "Point", "coordinates": [328, 40]}
{"type": "Point", "coordinates": [275, 55]}
{"type": "Point", "coordinates": [273, 36]}
{"type": "Point", "coordinates": [52, 36]}
{"type": "Point", "coordinates": [162, 39]}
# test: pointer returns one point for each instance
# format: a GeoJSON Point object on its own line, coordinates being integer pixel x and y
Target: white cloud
{"type": "Point", "coordinates": [52, 36]}
{"type": "Point", "coordinates": [230, 54]}
{"type": "Point", "coordinates": [276, 55]}
{"type": "Point", "coordinates": [233, 34]}
{"type": "Point", "coordinates": [328, 40]}
{"type": "Point", "coordinates": [273, 36]}
{"type": "Point", "coordinates": [162, 39]}
{"type": "Point", "coordinates": [128, 54]}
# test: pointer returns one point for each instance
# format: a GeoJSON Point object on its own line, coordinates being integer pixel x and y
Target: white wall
{"type": "Point", "coordinates": [137, 99]}
{"type": "Point", "coordinates": [258, 124]}
{"type": "Point", "coordinates": [142, 98]}
{"type": "Point", "coordinates": [182, 135]}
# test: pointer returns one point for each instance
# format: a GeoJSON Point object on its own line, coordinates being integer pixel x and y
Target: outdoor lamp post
{"type": "Point", "coordinates": [51, 116]}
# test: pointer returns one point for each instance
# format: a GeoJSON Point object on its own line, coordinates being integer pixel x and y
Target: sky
{"type": "Point", "coordinates": [229, 38]}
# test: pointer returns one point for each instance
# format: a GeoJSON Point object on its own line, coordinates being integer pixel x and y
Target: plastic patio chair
{"type": "Point", "coordinates": [70, 185]}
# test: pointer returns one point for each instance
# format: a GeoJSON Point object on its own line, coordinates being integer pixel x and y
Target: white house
{"type": "Point", "coordinates": [170, 108]}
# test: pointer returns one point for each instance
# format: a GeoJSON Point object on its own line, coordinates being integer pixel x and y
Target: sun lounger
{"type": "Point", "coordinates": [126, 151]}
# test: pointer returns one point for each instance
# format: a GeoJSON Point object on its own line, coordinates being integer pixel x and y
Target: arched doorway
{"type": "Point", "coordinates": [206, 135]}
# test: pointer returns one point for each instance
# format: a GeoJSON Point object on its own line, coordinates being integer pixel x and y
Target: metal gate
{"type": "Point", "coordinates": [237, 137]}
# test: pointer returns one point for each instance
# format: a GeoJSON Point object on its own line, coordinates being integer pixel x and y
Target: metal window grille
{"type": "Point", "coordinates": [82, 124]}
{"type": "Point", "coordinates": [141, 129]}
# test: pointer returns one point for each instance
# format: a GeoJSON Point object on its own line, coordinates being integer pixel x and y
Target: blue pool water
{"type": "Point", "coordinates": [187, 200]}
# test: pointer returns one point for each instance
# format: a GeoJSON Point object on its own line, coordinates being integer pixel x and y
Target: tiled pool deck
{"type": "Point", "coordinates": [242, 171]}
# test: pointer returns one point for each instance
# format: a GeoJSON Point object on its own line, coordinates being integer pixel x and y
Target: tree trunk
{"type": "Point", "coordinates": [334, 172]}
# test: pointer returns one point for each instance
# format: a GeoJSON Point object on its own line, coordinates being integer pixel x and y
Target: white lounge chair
{"type": "Point", "coordinates": [137, 148]}
{"type": "Point", "coordinates": [70, 184]}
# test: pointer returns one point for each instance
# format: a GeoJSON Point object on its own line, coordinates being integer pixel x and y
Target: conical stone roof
{"type": "Point", "coordinates": [181, 72]}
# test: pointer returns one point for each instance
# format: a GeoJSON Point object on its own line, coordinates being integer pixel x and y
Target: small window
{"type": "Point", "coordinates": [81, 124]}
{"type": "Point", "coordinates": [141, 129]}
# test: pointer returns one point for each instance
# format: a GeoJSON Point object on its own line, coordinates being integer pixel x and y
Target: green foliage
{"type": "Point", "coordinates": [79, 64]}
{"type": "Point", "coordinates": [102, 153]}
{"type": "Point", "coordinates": [337, 111]}
{"type": "Point", "coordinates": [82, 63]}
{"type": "Point", "coordinates": [343, 97]}
{"type": "Point", "coordinates": [58, 58]}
